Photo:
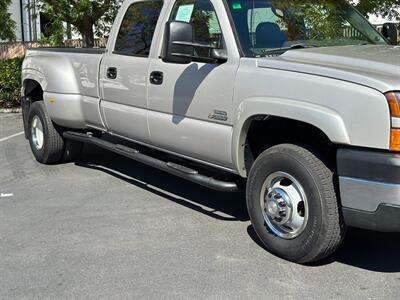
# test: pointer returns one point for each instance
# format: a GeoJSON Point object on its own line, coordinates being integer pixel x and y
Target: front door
{"type": "Point", "coordinates": [124, 71]}
{"type": "Point", "coordinates": [190, 112]}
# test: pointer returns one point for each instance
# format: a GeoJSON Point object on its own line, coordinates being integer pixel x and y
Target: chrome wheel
{"type": "Point", "coordinates": [284, 205]}
{"type": "Point", "coordinates": [37, 133]}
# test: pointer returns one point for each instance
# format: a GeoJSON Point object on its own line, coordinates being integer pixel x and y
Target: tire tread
{"type": "Point", "coordinates": [335, 229]}
{"type": "Point", "coordinates": [54, 142]}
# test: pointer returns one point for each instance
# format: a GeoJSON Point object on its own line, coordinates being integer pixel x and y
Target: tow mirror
{"type": "Point", "coordinates": [179, 46]}
{"type": "Point", "coordinates": [177, 53]}
{"type": "Point", "coordinates": [389, 31]}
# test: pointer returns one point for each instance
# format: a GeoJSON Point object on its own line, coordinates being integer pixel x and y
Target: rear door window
{"type": "Point", "coordinates": [137, 28]}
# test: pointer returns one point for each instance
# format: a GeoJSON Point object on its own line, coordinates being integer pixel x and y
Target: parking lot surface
{"type": "Point", "coordinates": [106, 227]}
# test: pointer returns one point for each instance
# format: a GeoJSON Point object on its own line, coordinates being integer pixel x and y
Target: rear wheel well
{"type": "Point", "coordinates": [33, 90]}
{"type": "Point", "coordinates": [266, 132]}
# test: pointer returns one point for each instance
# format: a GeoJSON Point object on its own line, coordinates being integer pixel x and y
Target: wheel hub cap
{"type": "Point", "coordinates": [284, 205]}
{"type": "Point", "coordinates": [278, 206]}
{"type": "Point", "coordinates": [37, 133]}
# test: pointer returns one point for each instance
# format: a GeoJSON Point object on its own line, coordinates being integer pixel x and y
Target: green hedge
{"type": "Point", "coordinates": [10, 82]}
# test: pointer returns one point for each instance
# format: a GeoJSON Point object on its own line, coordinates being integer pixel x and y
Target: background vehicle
{"type": "Point", "coordinates": [296, 98]}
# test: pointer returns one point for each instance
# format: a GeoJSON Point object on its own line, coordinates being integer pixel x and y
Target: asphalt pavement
{"type": "Point", "coordinates": [109, 228]}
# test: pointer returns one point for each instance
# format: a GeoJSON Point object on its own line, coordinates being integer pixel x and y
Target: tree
{"type": "Point", "coordinates": [387, 8]}
{"type": "Point", "coordinates": [7, 25]}
{"type": "Point", "coordinates": [89, 17]}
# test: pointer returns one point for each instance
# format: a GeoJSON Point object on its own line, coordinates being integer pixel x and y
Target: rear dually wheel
{"type": "Point", "coordinates": [45, 138]}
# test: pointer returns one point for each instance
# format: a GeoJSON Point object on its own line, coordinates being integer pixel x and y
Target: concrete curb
{"type": "Point", "coordinates": [10, 110]}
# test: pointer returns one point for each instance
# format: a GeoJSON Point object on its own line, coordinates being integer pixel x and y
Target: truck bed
{"type": "Point", "coordinates": [67, 70]}
{"type": "Point", "coordinates": [71, 50]}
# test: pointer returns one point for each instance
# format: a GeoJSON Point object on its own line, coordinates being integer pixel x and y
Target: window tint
{"type": "Point", "coordinates": [205, 22]}
{"type": "Point", "coordinates": [265, 25]}
{"type": "Point", "coordinates": [137, 28]}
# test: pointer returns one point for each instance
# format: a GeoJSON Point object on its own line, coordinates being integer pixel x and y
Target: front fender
{"type": "Point", "coordinates": [327, 120]}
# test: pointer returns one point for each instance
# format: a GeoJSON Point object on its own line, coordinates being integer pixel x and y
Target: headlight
{"type": "Point", "coordinates": [393, 99]}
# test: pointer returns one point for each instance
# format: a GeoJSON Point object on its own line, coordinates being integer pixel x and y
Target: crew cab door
{"type": "Point", "coordinates": [190, 105]}
{"type": "Point", "coordinates": [124, 70]}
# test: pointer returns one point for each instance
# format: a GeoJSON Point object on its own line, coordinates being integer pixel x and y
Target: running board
{"type": "Point", "coordinates": [169, 167]}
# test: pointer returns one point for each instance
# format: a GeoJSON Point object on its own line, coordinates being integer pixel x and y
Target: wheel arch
{"type": "Point", "coordinates": [32, 91]}
{"type": "Point", "coordinates": [324, 121]}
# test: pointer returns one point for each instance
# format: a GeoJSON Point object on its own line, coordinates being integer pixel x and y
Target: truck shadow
{"type": "Point", "coordinates": [373, 251]}
{"type": "Point", "coordinates": [221, 206]}
{"type": "Point", "coordinates": [185, 88]}
{"type": "Point", "coordinates": [368, 250]}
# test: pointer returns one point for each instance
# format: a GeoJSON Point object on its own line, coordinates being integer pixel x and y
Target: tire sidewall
{"type": "Point", "coordinates": [53, 142]}
{"type": "Point", "coordinates": [36, 110]}
{"type": "Point", "coordinates": [304, 244]}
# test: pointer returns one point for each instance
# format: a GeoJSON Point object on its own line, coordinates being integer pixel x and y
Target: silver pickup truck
{"type": "Point", "coordinates": [298, 101]}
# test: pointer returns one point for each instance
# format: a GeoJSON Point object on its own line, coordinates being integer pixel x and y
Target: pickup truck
{"type": "Point", "coordinates": [297, 102]}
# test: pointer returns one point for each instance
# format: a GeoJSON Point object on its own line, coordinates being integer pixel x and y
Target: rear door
{"type": "Point", "coordinates": [124, 70]}
{"type": "Point", "coordinates": [191, 111]}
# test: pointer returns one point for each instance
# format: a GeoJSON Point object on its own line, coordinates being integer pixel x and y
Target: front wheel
{"type": "Point", "coordinates": [292, 204]}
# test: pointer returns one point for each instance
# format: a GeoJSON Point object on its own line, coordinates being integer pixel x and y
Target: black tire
{"type": "Point", "coordinates": [324, 231]}
{"type": "Point", "coordinates": [52, 150]}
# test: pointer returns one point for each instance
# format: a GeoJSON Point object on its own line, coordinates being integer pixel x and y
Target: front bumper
{"type": "Point", "coordinates": [369, 184]}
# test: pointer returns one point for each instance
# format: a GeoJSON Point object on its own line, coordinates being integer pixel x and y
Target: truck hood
{"type": "Point", "coordinates": [375, 66]}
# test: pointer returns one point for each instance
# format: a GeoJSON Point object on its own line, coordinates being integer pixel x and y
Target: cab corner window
{"type": "Point", "coordinates": [137, 28]}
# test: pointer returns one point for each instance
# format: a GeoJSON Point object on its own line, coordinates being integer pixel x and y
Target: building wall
{"type": "Point", "coordinates": [16, 16]}
{"type": "Point", "coordinates": [27, 26]}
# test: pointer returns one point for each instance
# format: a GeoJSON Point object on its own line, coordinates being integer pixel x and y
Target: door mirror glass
{"type": "Point", "coordinates": [177, 42]}
{"type": "Point", "coordinates": [202, 42]}
{"type": "Point", "coordinates": [179, 46]}
{"type": "Point", "coordinates": [389, 31]}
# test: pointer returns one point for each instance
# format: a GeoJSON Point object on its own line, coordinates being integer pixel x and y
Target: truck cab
{"type": "Point", "coordinates": [297, 101]}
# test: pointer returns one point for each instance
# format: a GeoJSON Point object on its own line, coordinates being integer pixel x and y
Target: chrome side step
{"type": "Point", "coordinates": [169, 167]}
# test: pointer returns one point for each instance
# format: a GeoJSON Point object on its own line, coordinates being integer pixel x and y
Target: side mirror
{"type": "Point", "coordinates": [179, 46]}
{"type": "Point", "coordinates": [389, 31]}
{"type": "Point", "coordinates": [177, 53]}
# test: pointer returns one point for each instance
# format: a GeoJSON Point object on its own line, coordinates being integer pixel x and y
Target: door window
{"type": "Point", "coordinates": [202, 15]}
{"type": "Point", "coordinates": [137, 28]}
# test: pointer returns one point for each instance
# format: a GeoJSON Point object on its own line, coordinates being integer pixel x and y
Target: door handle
{"type": "Point", "coordinates": [112, 73]}
{"type": "Point", "coordinates": [156, 78]}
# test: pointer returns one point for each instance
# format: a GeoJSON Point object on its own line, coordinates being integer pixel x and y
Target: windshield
{"type": "Point", "coordinates": [265, 26]}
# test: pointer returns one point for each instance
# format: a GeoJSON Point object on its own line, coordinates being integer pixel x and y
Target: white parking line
{"type": "Point", "coordinates": [6, 195]}
{"type": "Point", "coordinates": [11, 136]}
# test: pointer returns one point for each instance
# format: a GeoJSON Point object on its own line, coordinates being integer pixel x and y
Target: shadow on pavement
{"type": "Point", "coordinates": [374, 251]}
{"type": "Point", "coordinates": [221, 206]}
